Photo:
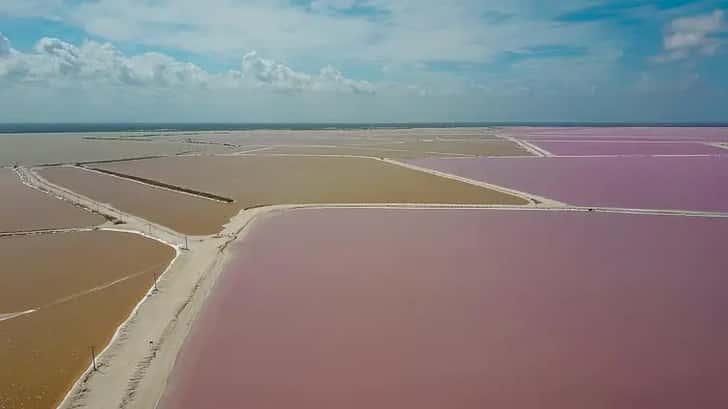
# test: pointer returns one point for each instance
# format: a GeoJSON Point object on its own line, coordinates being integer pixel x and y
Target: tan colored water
{"type": "Point", "coordinates": [410, 150]}
{"type": "Point", "coordinates": [82, 285]}
{"type": "Point", "coordinates": [183, 213]}
{"type": "Point", "coordinates": [38, 149]}
{"type": "Point", "coordinates": [22, 208]}
{"type": "Point", "coordinates": [259, 181]}
{"type": "Point", "coordinates": [480, 148]}
{"type": "Point", "coordinates": [255, 181]}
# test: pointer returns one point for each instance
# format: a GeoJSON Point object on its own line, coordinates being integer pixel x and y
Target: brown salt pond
{"type": "Point", "coordinates": [471, 148]}
{"type": "Point", "coordinates": [23, 208]}
{"type": "Point", "coordinates": [82, 286]}
{"type": "Point", "coordinates": [266, 180]}
{"type": "Point", "coordinates": [183, 213]}
{"type": "Point", "coordinates": [370, 151]}
{"type": "Point", "coordinates": [345, 136]}
{"type": "Point", "coordinates": [411, 150]}
{"type": "Point", "coordinates": [39, 149]}
{"type": "Point", "coordinates": [357, 308]}
{"type": "Point", "coordinates": [260, 181]}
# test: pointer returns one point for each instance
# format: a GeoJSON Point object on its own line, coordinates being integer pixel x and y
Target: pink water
{"type": "Point", "coordinates": [713, 134]}
{"type": "Point", "coordinates": [388, 309]}
{"type": "Point", "coordinates": [577, 148]}
{"type": "Point", "coordinates": [684, 183]}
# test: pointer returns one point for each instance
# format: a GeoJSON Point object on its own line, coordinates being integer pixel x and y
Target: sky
{"type": "Point", "coordinates": [363, 61]}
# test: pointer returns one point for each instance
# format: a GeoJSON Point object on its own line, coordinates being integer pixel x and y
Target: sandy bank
{"type": "Point", "coordinates": [134, 367]}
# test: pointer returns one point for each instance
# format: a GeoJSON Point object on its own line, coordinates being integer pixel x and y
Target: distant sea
{"type": "Point", "coordinates": [193, 127]}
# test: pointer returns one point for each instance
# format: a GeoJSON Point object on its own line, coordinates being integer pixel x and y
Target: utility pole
{"type": "Point", "coordinates": [155, 282]}
{"type": "Point", "coordinates": [186, 246]}
{"type": "Point", "coordinates": [93, 359]}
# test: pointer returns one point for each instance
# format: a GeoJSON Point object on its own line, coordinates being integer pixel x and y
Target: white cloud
{"type": "Point", "coordinates": [444, 52]}
{"type": "Point", "coordinates": [331, 77]}
{"type": "Point", "coordinates": [281, 77]}
{"type": "Point", "coordinates": [690, 36]}
{"type": "Point", "coordinates": [54, 61]}
{"type": "Point", "coordinates": [316, 33]}
{"type": "Point", "coordinates": [267, 72]}
{"type": "Point", "coordinates": [62, 58]}
{"type": "Point", "coordinates": [387, 31]}
{"type": "Point", "coordinates": [165, 71]}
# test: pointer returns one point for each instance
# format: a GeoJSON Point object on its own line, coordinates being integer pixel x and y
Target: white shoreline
{"type": "Point", "coordinates": [11, 315]}
{"type": "Point", "coordinates": [86, 373]}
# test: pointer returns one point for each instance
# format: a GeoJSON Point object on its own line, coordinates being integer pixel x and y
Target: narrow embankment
{"type": "Point", "coordinates": [9, 316]}
{"type": "Point", "coordinates": [43, 231]}
{"type": "Point", "coordinates": [168, 186]}
{"type": "Point", "coordinates": [98, 162]}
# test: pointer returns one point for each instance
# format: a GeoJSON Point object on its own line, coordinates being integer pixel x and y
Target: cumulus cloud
{"type": "Point", "coordinates": [165, 71]}
{"type": "Point", "coordinates": [53, 60]}
{"type": "Point", "coordinates": [264, 72]}
{"type": "Point", "coordinates": [690, 36]}
{"type": "Point", "coordinates": [61, 57]}
{"type": "Point", "coordinates": [332, 77]}
{"type": "Point", "coordinates": [267, 72]}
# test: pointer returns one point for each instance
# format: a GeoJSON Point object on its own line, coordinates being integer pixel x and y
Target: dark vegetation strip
{"type": "Point", "coordinates": [98, 162]}
{"type": "Point", "coordinates": [199, 142]}
{"type": "Point", "coordinates": [118, 138]}
{"type": "Point", "coordinates": [40, 232]}
{"type": "Point", "coordinates": [166, 185]}
{"type": "Point", "coordinates": [94, 162]}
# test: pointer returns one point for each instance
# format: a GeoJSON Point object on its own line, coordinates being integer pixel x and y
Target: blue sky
{"type": "Point", "coordinates": [363, 60]}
